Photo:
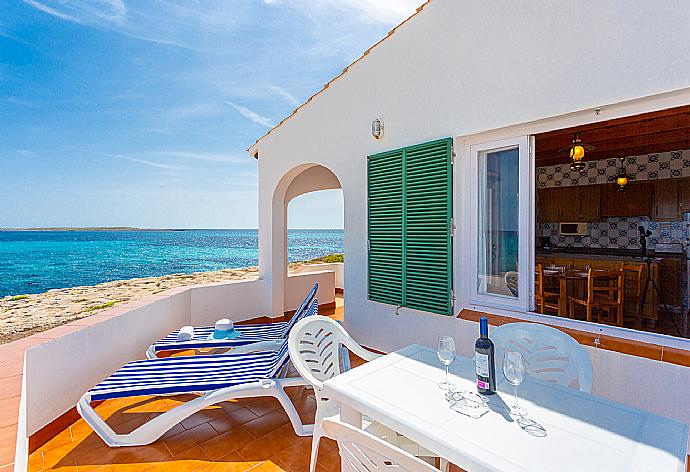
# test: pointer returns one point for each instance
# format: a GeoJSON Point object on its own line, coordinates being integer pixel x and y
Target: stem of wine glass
{"type": "Point", "coordinates": [515, 407]}
{"type": "Point", "coordinates": [447, 382]}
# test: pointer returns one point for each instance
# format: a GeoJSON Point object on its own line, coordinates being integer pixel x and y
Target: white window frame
{"type": "Point", "coordinates": [525, 231]}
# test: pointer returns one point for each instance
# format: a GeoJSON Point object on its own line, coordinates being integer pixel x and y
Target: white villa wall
{"type": "Point", "coordinates": [298, 285]}
{"type": "Point", "coordinates": [461, 68]}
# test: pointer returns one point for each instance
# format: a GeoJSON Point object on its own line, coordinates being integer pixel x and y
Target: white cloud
{"type": "Point", "coordinates": [157, 165]}
{"type": "Point", "coordinates": [252, 115]}
{"type": "Point", "coordinates": [82, 11]}
{"type": "Point", "coordinates": [383, 11]}
{"type": "Point", "coordinates": [26, 153]}
{"type": "Point", "coordinates": [285, 94]}
{"type": "Point", "coordinates": [209, 157]}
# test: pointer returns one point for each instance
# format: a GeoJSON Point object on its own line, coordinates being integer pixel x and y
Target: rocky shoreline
{"type": "Point", "coordinates": [24, 315]}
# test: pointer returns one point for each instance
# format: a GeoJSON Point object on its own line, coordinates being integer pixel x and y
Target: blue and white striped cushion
{"type": "Point", "coordinates": [193, 374]}
{"type": "Point", "coordinates": [249, 334]}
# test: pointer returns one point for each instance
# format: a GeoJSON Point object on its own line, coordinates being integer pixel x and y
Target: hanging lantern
{"type": "Point", "coordinates": [576, 151]}
{"type": "Point", "coordinates": [622, 177]}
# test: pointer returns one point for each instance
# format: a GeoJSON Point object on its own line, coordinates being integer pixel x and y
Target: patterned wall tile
{"type": "Point", "coordinates": [664, 165]}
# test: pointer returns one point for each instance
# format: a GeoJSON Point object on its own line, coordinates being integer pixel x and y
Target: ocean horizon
{"type": "Point", "coordinates": [35, 260]}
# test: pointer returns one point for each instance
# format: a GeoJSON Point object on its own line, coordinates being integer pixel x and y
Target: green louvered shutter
{"type": "Point", "coordinates": [428, 251]}
{"type": "Point", "coordinates": [385, 180]}
{"type": "Point", "coordinates": [410, 211]}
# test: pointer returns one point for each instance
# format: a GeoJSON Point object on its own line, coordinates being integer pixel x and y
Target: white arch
{"type": "Point", "coordinates": [304, 178]}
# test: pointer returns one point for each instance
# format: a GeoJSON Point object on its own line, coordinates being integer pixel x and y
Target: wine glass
{"type": "Point", "coordinates": [514, 371]}
{"type": "Point", "coordinates": [446, 354]}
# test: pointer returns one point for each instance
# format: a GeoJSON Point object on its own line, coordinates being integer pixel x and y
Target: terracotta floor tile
{"type": "Point", "coordinates": [272, 443]}
{"type": "Point", "coordinates": [223, 444]}
{"type": "Point", "coordinates": [222, 424]}
{"type": "Point", "coordinates": [229, 463]}
{"type": "Point", "coordinates": [8, 442]}
{"type": "Point", "coordinates": [267, 423]}
{"type": "Point", "coordinates": [191, 459]}
{"type": "Point", "coordinates": [263, 405]}
{"type": "Point", "coordinates": [60, 456]}
{"type": "Point", "coordinates": [94, 468]}
{"type": "Point", "coordinates": [231, 405]}
{"type": "Point", "coordinates": [60, 439]}
{"type": "Point", "coordinates": [142, 456]}
{"type": "Point", "coordinates": [9, 411]}
{"type": "Point", "coordinates": [190, 438]}
{"type": "Point", "coordinates": [131, 424]}
{"type": "Point", "coordinates": [11, 386]}
{"type": "Point", "coordinates": [676, 356]}
{"type": "Point", "coordinates": [242, 416]}
{"type": "Point", "coordinates": [35, 463]}
{"type": "Point", "coordinates": [203, 416]}
{"type": "Point", "coordinates": [273, 465]}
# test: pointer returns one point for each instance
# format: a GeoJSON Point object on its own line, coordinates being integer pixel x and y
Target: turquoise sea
{"type": "Point", "coordinates": [36, 261]}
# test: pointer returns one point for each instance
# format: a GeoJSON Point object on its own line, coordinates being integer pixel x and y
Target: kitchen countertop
{"type": "Point", "coordinates": [605, 253]}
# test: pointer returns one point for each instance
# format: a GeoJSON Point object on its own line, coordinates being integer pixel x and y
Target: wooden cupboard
{"type": "Point", "coordinates": [671, 272]}
{"type": "Point", "coordinates": [568, 204]}
{"type": "Point", "coordinates": [684, 195]}
{"type": "Point", "coordinates": [635, 201]}
{"type": "Point", "coordinates": [666, 205]}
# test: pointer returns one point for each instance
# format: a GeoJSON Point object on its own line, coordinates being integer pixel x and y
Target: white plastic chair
{"type": "Point", "coordinates": [549, 354]}
{"type": "Point", "coordinates": [361, 451]}
{"type": "Point", "coordinates": [314, 345]}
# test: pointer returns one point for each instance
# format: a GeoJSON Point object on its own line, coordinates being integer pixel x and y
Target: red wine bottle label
{"type": "Point", "coordinates": [482, 384]}
{"type": "Point", "coordinates": [482, 364]}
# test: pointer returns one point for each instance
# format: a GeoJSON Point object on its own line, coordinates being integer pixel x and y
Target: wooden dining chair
{"type": "Point", "coordinates": [632, 291]}
{"type": "Point", "coordinates": [543, 300]}
{"type": "Point", "coordinates": [604, 294]}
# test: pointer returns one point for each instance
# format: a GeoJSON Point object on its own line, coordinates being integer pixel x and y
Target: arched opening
{"type": "Point", "coordinates": [307, 224]}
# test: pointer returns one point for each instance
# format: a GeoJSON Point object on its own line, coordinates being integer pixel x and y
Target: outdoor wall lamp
{"type": "Point", "coordinates": [377, 129]}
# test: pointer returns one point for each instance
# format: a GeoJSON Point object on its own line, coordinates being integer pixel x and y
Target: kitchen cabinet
{"type": "Point", "coordinates": [636, 201]}
{"type": "Point", "coordinates": [549, 204]}
{"type": "Point", "coordinates": [559, 204]}
{"type": "Point", "coordinates": [666, 205]}
{"type": "Point", "coordinates": [670, 280]}
{"type": "Point", "coordinates": [684, 195]}
{"type": "Point", "coordinates": [589, 197]}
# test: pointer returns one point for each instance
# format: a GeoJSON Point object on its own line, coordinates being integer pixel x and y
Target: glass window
{"type": "Point", "coordinates": [497, 257]}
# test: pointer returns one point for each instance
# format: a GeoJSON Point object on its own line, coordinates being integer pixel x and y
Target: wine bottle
{"type": "Point", "coordinates": [484, 360]}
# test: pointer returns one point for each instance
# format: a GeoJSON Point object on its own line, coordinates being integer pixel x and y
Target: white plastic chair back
{"type": "Point", "coordinates": [314, 345]}
{"type": "Point", "coordinates": [361, 451]}
{"type": "Point", "coordinates": [549, 354]}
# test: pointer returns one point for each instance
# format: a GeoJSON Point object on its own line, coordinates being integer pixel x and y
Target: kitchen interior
{"type": "Point", "coordinates": [603, 191]}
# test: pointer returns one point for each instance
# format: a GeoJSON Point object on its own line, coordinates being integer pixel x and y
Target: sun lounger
{"type": "Point", "coordinates": [270, 335]}
{"type": "Point", "coordinates": [216, 378]}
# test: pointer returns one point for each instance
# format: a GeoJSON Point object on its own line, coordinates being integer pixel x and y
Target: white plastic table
{"type": "Point", "coordinates": [584, 432]}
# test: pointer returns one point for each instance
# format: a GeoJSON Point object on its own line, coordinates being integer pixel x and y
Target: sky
{"type": "Point", "coordinates": [138, 113]}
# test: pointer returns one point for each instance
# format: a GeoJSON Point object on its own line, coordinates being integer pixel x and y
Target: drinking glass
{"type": "Point", "coordinates": [446, 354]}
{"type": "Point", "coordinates": [514, 371]}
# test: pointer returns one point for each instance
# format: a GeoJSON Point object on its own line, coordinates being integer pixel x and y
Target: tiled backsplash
{"type": "Point", "coordinates": [663, 165]}
{"type": "Point", "coordinates": [622, 233]}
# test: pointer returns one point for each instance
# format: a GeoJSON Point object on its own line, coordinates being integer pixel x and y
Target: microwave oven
{"type": "Point", "coordinates": [573, 229]}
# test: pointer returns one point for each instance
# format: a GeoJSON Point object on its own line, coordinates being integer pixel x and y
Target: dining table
{"type": "Point", "coordinates": [570, 430]}
{"type": "Point", "coordinates": [563, 277]}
